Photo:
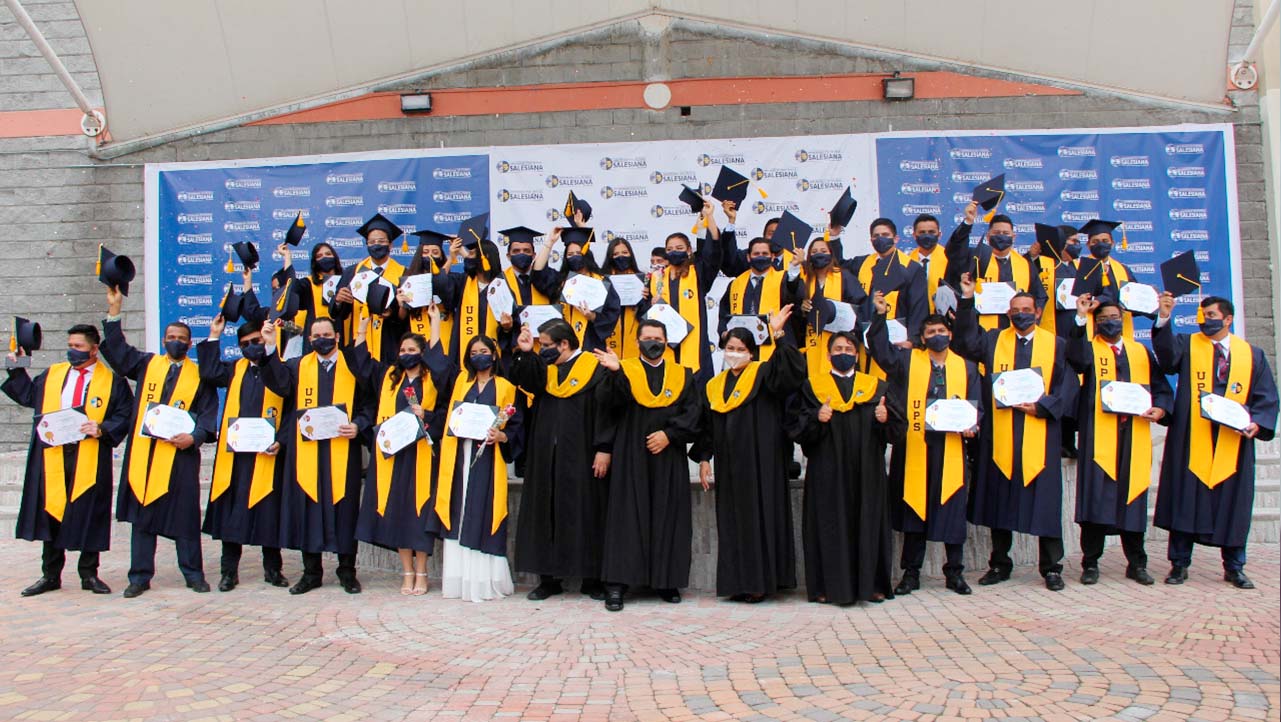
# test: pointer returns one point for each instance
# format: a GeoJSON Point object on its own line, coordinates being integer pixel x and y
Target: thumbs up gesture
{"type": "Point", "coordinates": [881, 413]}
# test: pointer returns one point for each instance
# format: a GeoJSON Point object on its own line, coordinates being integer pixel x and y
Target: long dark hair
{"type": "Point", "coordinates": [315, 273]}
{"type": "Point", "coordinates": [609, 255]}
{"type": "Point", "coordinates": [489, 250]}
{"type": "Point", "coordinates": [397, 373]}
{"type": "Point", "coordinates": [589, 262]}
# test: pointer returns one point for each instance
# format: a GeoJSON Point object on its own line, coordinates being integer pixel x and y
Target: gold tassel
{"type": "Point", "coordinates": [97, 266]}
{"type": "Point", "coordinates": [404, 245]}
{"type": "Point", "coordinates": [13, 344]}
{"type": "Point", "coordinates": [1125, 242]}
{"type": "Point", "coordinates": [987, 217]}
{"type": "Point", "coordinates": [827, 234]}
{"type": "Point", "coordinates": [231, 264]}
{"type": "Point", "coordinates": [1200, 314]}
{"type": "Point", "coordinates": [762, 192]}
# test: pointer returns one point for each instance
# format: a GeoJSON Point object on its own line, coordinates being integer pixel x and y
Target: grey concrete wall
{"type": "Point", "coordinates": [26, 81]}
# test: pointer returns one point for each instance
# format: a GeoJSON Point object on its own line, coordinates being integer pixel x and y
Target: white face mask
{"type": "Point", "coordinates": [736, 359]}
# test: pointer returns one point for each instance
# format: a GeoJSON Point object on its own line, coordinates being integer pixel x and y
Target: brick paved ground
{"type": "Point", "coordinates": [1120, 651]}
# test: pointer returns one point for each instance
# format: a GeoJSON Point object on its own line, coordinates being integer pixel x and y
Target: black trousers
{"type": "Point", "coordinates": [142, 557]}
{"type": "Point", "coordinates": [313, 570]}
{"type": "Point", "coordinates": [913, 555]}
{"type": "Point", "coordinates": [1050, 556]}
{"type": "Point", "coordinates": [53, 559]}
{"type": "Point", "coordinates": [231, 553]}
{"type": "Point", "coordinates": [1093, 537]}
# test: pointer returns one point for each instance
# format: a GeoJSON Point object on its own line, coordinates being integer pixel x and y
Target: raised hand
{"type": "Point", "coordinates": [881, 414]}
{"type": "Point", "coordinates": [608, 359]}
{"type": "Point", "coordinates": [1166, 305]}
{"type": "Point", "coordinates": [967, 285]}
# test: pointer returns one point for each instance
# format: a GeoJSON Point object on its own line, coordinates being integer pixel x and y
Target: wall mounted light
{"type": "Point", "coordinates": [417, 103]}
{"type": "Point", "coordinates": [899, 88]}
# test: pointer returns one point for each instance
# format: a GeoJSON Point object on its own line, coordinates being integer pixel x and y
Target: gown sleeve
{"type": "Point", "coordinates": [213, 370]}
{"type": "Point", "coordinates": [20, 388]}
{"type": "Point", "coordinates": [125, 359]}
{"type": "Point", "coordinates": [116, 426]}
{"type": "Point", "coordinates": [1263, 397]}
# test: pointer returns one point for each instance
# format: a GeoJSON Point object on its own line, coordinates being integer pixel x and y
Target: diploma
{"type": "Point", "coordinates": [160, 421]}
{"type": "Point", "coordinates": [1123, 397]}
{"type": "Point", "coordinates": [498, 296]}
{"type": "Point", "coordinates": [417, 290]}
{"type": "Point", "coordinates": [401, 430]}
{"type": "Point", "coordinates": [951, 415]}
{"type": "Point", "coordinates": [1140, 298]}
{"type": "Point", "coordinates": [898, 332]}
{"type": "Point", "coordinates": [583, 290]}
{"type": "Point", "coordinates": [58, 428]}
{"type": "Point", "coordinates": [330, 288]}
{"type": "Point", "coordinates": [1063, 294]}
{"type": "Point", "coordinates": [844, 319]}
{"type": "Point", "coordinates": [250, 434]}
{"type": "Point", "coordinates": [1021, 386]}
{"type": "Point", "coordinates": [630, 288]}
{"type": "Point", "coordinates": [536, 315]}
{"type": "Point", "coordinates": [994, 298]}
{"type": "Point", "coordinates": [1222, 410]}
{"type": "Point", "coordinates": [322, 422]}
{"type": "Point", "coordinates": [360, 284]}
{"type": "Point", "coordinates": [758, 326]}
{"type": "Point", "coordinates": [471, 421]}
{"type": "Point", "coordinates": [677, 327]}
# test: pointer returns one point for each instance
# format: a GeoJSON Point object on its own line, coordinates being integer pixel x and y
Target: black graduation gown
{"type": "Point", "coordinates": [321, 525]}
{"type": "Point", "coordinates": [943, 522]}
{"type": "Point", "coordinates": [1219, 516]}
{"type": "Point", "coordinates": [401, 525]}
{"type": "Point", "coordinates": [562, 505]}
{"type": "Point", "coordinates": [851, 293]}
{"type": "Point", "coordinates": [845, 525]}
{"type": "Point", "coordinates": [472, 518]}
{"type": "Point", "coordinates": [550, 283]}
{"type": "Point", "coordinates": [393, 325]}
{"type": "Point", "coordinates": [450, 286]}
{"type": "Point", "coordinates": [995, 501]}
{"type": "Point", "coordinates": [913, 292]}
{"type": "Point", "coordinates": [1100, 499]}
{"type": "Point", "coordinates": [961, 259]}
{"type": "Point", "coordinates": [176, 514]}
{"type": "Point", "coordinates": [229, 517]}
{"type": "Point", "coordinates": [789, 291]}
{"type": "Point", "coordinates": [707, 263]}
{"type": "Point", "coordinates": [86, 522]}
{"type": "Point", "coordinates": [750, 448]}
{"type": "Point", "coordinates": [648, 527]}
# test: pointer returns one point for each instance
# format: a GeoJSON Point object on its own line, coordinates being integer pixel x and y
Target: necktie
{"type": "Point", "coordinates": [1220, 364]}
{"type": "Point", "coordinates": [328, 365]}
{"type": "Point", "coordinates": [378, 270]}
{"type": "Point", "coordinates": [752, 299]}
{"type": "Point", "coordinates": [171, 379]}
{"type": "Point", "coordinates": [925, 265]}
{"type": "Point", "coordinates": [1116, 351]}
{"type": "Point", "coordinates": [78, 396]}
{"type": "Point", "coordinates": [522, 280]}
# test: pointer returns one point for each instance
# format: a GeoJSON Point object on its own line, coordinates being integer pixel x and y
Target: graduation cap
{"type": "Point", "coordinates": [26, 335]}
{"type": "Point", "coordinates": [294, 235]}
{"type": "Point", "coordinates": [690, 197]}
{"type": "Point", "coordinates": [232, 304]}
{"type": "Point", "coordinates": [1180, 275]}
{"type": "Point", "coordinates": [581, 236]}
{"type": "Point", "coordinates": [248, 254]}
{"type": "Point", "coordinates": [1052, 240]}
{"type": "Point", "coordinates": [988, 194]}
{"type": "Point", "coordinates": [432, 238]}
{"type": "Point", "coordinates": [791, 232]}
{"type": "Point", "coordinates": [1089, 277]}
{"type": "Point", "coordinates": [380, 223]}
{"type": "Point", "coordinates": [521, 234]}
{"type": "Point", "coordinates": [115, 271]}
{"type": "Point", "coordinates": [823, 313]}
{"type": "Point", "coordinates": [379, 298]}
{"type": "Point", "coordinates": [574, 203]}
{"type": "Point", "coordinates": [474, 230]}
{"type": "Point", "coordinates": [284, 302]}
{"type": "Point", "coordinates": [730, 186]}
{"type": "Point", "coordinates": [1095, 226]}
{"type": "Point", "coordinates": [843, 211]}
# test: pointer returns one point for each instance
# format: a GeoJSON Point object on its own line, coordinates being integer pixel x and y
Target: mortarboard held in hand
{"type": "Point", "coordinates": [841, 213]}
{"type": "Point", "coordinates": [293, 236]}
{"type": "Point", "coordinates": [1089, 277]}
{"type": "Point", "coordinates": [574, 203]}
{"type": "Point", "coordinates": [379, 298]}
{"type": "Point", "coordinates": [232, 304]}
{"type": "Point", "coordinates": [247, 253]}
{"type": "Point", "coordinates": [26, 336]}
{"type": "Point", "coordinates": [285, 301]}
{"type": "Point", "coordinates": [115, 271]}
{"type": "Point", "coordinates": [988, 194]}
{"type": "Point", "coordinates": [791, 232]}
{"type": "Point", "coordinates": [1052, 241]}
{"type": "Point", "coordinates": [1181, 276]}
{"type": "Point", "coordinates": [731, 186]}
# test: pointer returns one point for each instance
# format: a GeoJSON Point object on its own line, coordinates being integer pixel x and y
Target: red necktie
{"type": "Point", "coordinates": [1221, 363]}
{"type": "Point", "coordinates": [1116, 351]}
{"type": "Point", "coordinates": [78, 396]}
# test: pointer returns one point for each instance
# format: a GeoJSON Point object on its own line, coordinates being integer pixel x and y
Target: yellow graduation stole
{"type": "Point", "coordinates": [1211, 459]}
{"type": "Point", "coordinates": [674, 377]}
{"type": "Point", "coordinates": [505, 395]}
{"type": "Point", "coordinates": [915, 458]}
{"type": "Point", "coordinates": [392, 271]}
{"type": "Point", "coordinates": [938, 269]}
{"type": "Point", "coordinates": [1003, 419]}
{"type": "Point", "coordinates": [1046, 267]}
{"type": "Point", "coordinates": [421, 325]}
{"type": "Point", "coordinates": [623, 341]}
{"type": "Point", "coordinates": [469, 317]}
{"type": "Point", "coordinates": [536, 297]}
{"type": "Point", "coordinates": [152, 482]}
{"type": "Point", "coordinates": [264, 464]}
{"type": "Point", "coordinates": [1127, 318]}
{"type": "Point", "coordinates": [580, 372]}
{"type": "Point", "coordinates": [742, 390]}
{"type": "Point", "coordinates": [97, 395]}
{"type": "Point", "coordinates": [891, 299]}
{"type": "Point", "coordinates": [384, 464]}
{"type": "Point", "coordinates": [687, 305]}
{"type": "Point", "coordinates": [826, 391]}
{"type": "Point", "coordinates": [306, 460]}
{"type": "Point", "coordinates": [577, 320]}
{"type": "Point", "coordinates": [771, 286]}
{"type": "Point", "coordinates": [1020, 271]}
{"type": "Point", "coordinates": [321, 310]}
{"type": "Point", "coordinates": [1139, 475]}
{"type": "Point", "coordinates": [816, 361]}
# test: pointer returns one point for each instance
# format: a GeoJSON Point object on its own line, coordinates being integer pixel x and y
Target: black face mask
{"type": "Point", "coordinates": [77, 357]}
{"type": "Point", "coordinates": [522, 261]}
{"type": "Point", "coordinates": [1000, 241]}
{"type": "Point", "coordinates": [1023, 321]}
{"type": "Point", "coordinates": [326, 264]}
{"type": "Point", "coordinates": [1072, 250]}
{"type": "Point", "coordinates": [549, 354]}
{"type": "Point", "coordinates": [652, 349]}
{"type": "Point", "coordinates": [1101, 250]}
{"type": "Point", "coordinates": [677, 258]}
{"type": "Point", "coordinates": [575, 263]}
{"type": "Point", "coordinates": [177, 349]}
{"type": "Point", "coordinates": [324, 345]}
{"type": "Point", "coordinates": [938, 342]}
{"type": "Point", "coordinates": [482, 361]}
{"type": "Point", "coordinates": [881, 244]}
{"type": "Point", "coordinates": [471, 266]}
{"type": "Point", "coordinates": [378, 252]}
{"type": "Point", "coordinates": [255, 352]}
{"type": "Point", "coordinates": [1211, 326]}
{"type": "Point", "coordinates": [1109, 327]}
{"type": "Point", "coordinates": [843, 362]}
{"type": "Point", "coordinates": [927, 240]}
{"type": "Point", "coordinates": [760, 264]}
{"type": "Point", "coordinates": [821, 260]}
{"type": "Point", "coordinates": [623, 263]}
{"type": "Point", "coordinates": [409, 360]}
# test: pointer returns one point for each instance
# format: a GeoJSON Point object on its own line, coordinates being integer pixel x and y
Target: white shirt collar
{"type": "Point", "coordinates": [846, 375]}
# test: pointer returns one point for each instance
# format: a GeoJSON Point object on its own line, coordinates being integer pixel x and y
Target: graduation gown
{"type": "Point", "coordinates": [592, 335]}
{"type": "Point", "coordinates": [913, 302]}
{"type": "Point", "coordinates": [845, 527]}
{"type": "Point", "coordinates": [944, 522]}
{"type": "Point", "coordinates": [175, 514]}
{"type": "Point", "coordinates": [1100, 499]}
{"type": "Point", "coordinates": [86, 522]}
{"type": "Point", "coordinates": [562, 505]}
{"type": "Point", "coordinates": [320, 525]}
{"type": "Point", "coordinates": [349, 314]}
{"type": "Point", "coordinates": [648, 527]}
{"type": "Point", "coordinates": [706, 262]}
{"type": "Point", "coordinates": [451, 287]}
{"type": "Point", "coordinates": [749, 448]}
{"type": "Point", "coordinates": [996, 501]}
{"type": "Point", "coordinates": [1219, 516]}
{"type": "Point", "coordinates": [229, 517]}
{"type": "Point", "coordinates": [961, 258]}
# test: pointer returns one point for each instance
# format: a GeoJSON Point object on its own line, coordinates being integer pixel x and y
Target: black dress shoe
{"type": "Point", "coordinates": [275, 579]}
{"type": "Point", "coordinates": [136, 590]}
{"type": "Point", "coordinates": [614, 600]}
{"type": "Point", "coordinates": [351, 585]}
{"type": "Point", "coordinates": [1140, 575]}
{"type": "Point", "coordinates": [959, 585]}
{"type": "Point", "coordinates": [1090, 575]}
{"type": "Point", "coordinates": [304, 585]}
{"type": "Point", "coordinates": [95, 585]}
{"type": "Point", "coordinates": [671, 596]}
{"type": "Point", "coordinates": [908, 584]}
{"type": "Point", "coordinates": [1238, 579]}
{"type": "Point", "coordinates": [200, 586]}
{"type": "Point", "coordinates": [1177, 575]}
{"type": "Point", "coordinates": [228, 582]}
{"type": "Point", "coordinates": [593, 588]}
{"type": "Point", "coordinates": [993, 576]}
{"type": "Point", "coordinates": [544, 590]}
{"type": "Point", "coordinates": [42, 585]}
{"type": "Point", "coordinates": [1054, 582]}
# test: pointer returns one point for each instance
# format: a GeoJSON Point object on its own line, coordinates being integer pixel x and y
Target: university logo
{"type": "Point", "coordinates": [398, 186]}
{"type": "Point", "coordinates": [678, 176]}
{"type": "Point", "coordinates": [518, 166]}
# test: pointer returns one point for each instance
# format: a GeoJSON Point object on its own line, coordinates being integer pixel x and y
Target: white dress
{"type": "Point", "coordinates": [471, 574]}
